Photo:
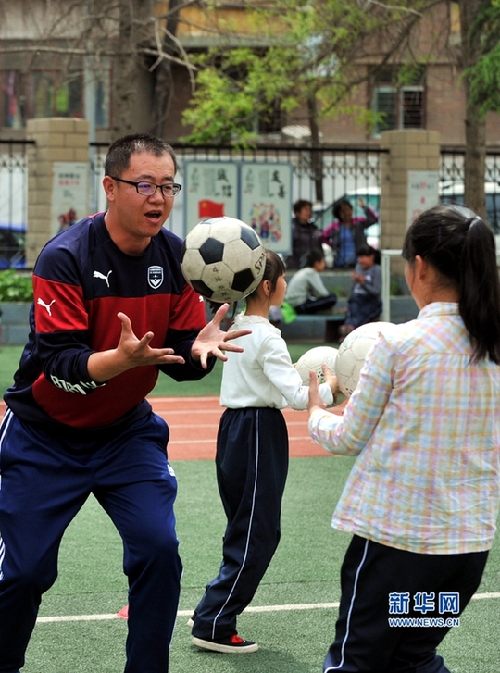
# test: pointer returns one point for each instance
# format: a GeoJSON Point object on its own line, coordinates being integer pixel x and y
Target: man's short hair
{"type": "Point", "coordinates": [119, 152]}
{"type": "Point", "coordinates": [299, 204]}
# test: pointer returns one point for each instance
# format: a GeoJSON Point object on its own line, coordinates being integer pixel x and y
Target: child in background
{"type": "Point", "coordinates": [251, 462]}
{"type": "Point", "coordinates": [421, 501]}
{"type": "Point", "coordinates": [306, 291]}
{"type": "Point", "coordinates": [364, 304]}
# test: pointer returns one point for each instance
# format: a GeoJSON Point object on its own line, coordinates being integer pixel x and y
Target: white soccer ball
{"type": "Point", "coordinates": [223, 259]}
{"type": "Point", "coordinates": [313, 359]}
{"type": "Point", "coordinates": [353, 352]}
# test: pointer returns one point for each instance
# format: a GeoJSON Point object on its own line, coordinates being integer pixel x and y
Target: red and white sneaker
{"type": "Point", "coordinates": [233, 645]}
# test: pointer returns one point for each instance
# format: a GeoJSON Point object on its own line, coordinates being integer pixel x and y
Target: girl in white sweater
{"type": "Point", "coordinates": [252, 462]}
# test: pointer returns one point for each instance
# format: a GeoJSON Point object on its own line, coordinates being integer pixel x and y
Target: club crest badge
{"type": "Point", "coordinates": [155, 276]}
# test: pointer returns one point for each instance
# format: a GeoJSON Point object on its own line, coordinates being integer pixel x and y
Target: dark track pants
{"type": "Point", "coordinates": [311, 306]}
{"type": "Point", "coordinates": [364, 640]}
{"type": "Point", "coordinates": [44, 483]}
{"type": "Point", "coordinates": [362, 308]}
{"type": "Point", "coordinates": [252, 465]}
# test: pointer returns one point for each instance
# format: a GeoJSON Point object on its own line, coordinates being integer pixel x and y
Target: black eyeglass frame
{"type": "Point", "coordinates": [174, 186]}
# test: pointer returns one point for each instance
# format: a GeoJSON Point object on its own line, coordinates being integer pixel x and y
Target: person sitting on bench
{"type": "Point", "coordinates": [306, 291]}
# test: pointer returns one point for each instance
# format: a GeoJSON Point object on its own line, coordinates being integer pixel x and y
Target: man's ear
{"type": "Point", "coordinates": [109, 187]}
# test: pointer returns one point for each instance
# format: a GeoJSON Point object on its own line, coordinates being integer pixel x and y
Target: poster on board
{"type": "Point", "coordinates": [266, 203]}
{"type": "Point", "coordinates": [211, 190]}
{"type": "Point", "coordinates": [70, 194]}
{"type": "Point", "coordinates": [423, 193]}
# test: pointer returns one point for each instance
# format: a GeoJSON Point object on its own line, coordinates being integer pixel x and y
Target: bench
{"type": "Point", "coordinates": [323, 328]}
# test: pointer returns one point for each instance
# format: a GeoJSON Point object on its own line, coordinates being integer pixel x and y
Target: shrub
{"type": "Point", "coordinates": [15, 287]}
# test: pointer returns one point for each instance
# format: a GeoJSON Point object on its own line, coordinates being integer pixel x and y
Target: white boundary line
{"type": "Point", "coordinates": [253, 608]}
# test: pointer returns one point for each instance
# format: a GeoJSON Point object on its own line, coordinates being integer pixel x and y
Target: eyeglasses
{"type": "Point", "coordinates": [149, 188]}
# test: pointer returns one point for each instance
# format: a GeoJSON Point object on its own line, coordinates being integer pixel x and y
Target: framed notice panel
{"type": "Point", "coordinates": [212, 191]}
{"type": "Point", "coordinates": [70, 194]}
{"type": "Point", "coordinates": [266, 203]}
{"type": "Point", "coordinates": [259, 194]}
{"type": "Point", "coordinates": [423, 193]}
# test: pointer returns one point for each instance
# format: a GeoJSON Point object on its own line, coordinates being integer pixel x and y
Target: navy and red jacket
{"type": "Point", "coordinates": [81, 281]}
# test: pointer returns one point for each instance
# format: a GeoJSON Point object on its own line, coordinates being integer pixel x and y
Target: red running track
{"type": "Point", "coordinates": [193, 423]}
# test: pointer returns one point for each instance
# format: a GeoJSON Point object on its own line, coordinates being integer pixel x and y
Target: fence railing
{"type": "Point", "coordinates": [319, 174]}
{"type": "Point", "coordinates": [452, 176]}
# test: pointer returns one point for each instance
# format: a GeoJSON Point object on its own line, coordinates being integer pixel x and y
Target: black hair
{"type": "Point", "coordinates": [344, 201]}
{"type": "Point", "coordinates": [368, 250]}
{"type": "Point", "coordinates": [314, 256]}
{"type": "Point", "coordinates": [119, 152]}
{"type": "Point", "coordinates": [461, 248]}
{"type": "Point", "coordinates": [274, 269]}
{"type": "Point", "coordinates": [299, 204]}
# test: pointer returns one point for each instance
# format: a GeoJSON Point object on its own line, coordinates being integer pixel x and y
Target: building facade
{"type": "Point", "coordinates": [56, 63]}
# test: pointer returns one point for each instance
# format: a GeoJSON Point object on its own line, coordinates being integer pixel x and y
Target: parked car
{"type": "Point", "coordinates": [12, 246]}
{"type": "Point", "coordinates": [451, 192]}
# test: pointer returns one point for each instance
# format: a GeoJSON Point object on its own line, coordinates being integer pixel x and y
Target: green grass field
{"type": "Point", "coordinates": [293, 614]}
{"type": "Point", "coordinates": [288, 616]}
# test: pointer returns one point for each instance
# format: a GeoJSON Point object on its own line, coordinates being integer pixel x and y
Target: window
{"type": "Point", "coordinates": [13, 109]}
{"type": "Point", "coordinates": [98, 83]}
{"type": "Point", "coordinates": [53, 93]}
{"type": "Point", "coordinates": [400, 106]}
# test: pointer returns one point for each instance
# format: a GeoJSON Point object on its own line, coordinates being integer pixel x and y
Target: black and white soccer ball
{"type": "Point", "coordinates": [354, 351]}
{"type": "Point", "coordinates": [313, 359]}
{"type": "Point", "coordinates": [223, 259]}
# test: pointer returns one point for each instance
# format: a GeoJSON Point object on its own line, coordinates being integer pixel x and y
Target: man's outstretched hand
{"type": "Point", "coordinates": [212, 340]}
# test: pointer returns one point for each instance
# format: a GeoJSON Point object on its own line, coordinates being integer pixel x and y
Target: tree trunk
{"type": "Point", "coordinates": [163, 71]}
{"type": "Point", "coordinates": [135, 32]}
{"type": "Point", "coordinates": [475, 132]}
{"type": "Point", "coordinates": [475, 161]}
{"type": "Point", "coordinates": [126, 71]}
{"type": "Point", "coordinates": [316, 158]}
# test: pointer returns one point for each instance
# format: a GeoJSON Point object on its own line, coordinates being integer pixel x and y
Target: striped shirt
{"type": "Point", "coordinates": [424, 425]}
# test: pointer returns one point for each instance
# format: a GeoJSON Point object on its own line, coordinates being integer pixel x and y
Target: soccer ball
{"type": "Point", "coordinates": [313, 359]}
{"type": "Point", "coordinates": [353, 351]}
{"type": "Point", "coordinates": [223, 259]}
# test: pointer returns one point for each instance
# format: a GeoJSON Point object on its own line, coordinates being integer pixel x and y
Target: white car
{"type": "Point", "coordinates": [452, 193]}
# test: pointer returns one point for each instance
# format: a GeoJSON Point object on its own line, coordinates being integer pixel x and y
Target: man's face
{"type": "Point", "coordinates": [305, 214]}
{"type": "Point", "coordinates": [135, 215]}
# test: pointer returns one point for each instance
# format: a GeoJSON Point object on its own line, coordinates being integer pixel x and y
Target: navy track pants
{"type": "Point", "coordinates": [365, 640]}
{"type": "Point", "coordinates": [44, 483]}
{"type": "Point", "coordinates": [252, 466]}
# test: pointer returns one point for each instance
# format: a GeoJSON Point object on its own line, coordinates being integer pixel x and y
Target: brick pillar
{"type": "Point", "coordinates": [412, 150]}
{"type": "Point", "coordinates": [61, 143]}
{"type": "Point", "coordinates": [413, 157]}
